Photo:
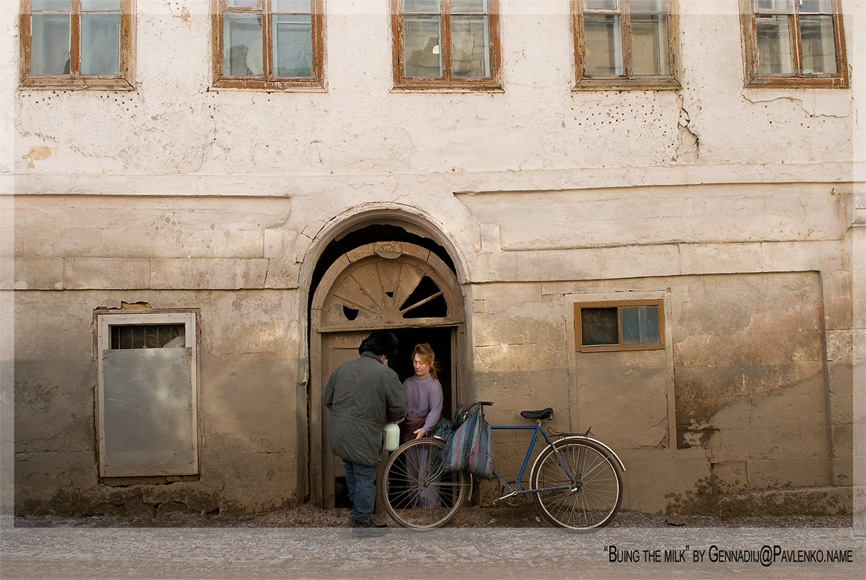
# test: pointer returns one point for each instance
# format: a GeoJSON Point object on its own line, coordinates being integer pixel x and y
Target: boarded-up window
{"type": "Point", "coordinates": [147, 404]}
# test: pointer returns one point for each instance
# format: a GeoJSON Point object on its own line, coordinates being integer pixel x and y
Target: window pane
{"type": "Point", "coordinates": [470, 57]}
{"type": "Point", "coordinates": [50, 5]}
{"type": "Point", "coordinates": [243, 3]}
{"type": "Point", "coordinates": [640, 325]}
{"type": "Point", "coordinates": [775, 51]}
{"type": "Point", "coordinates": [601, 4]}
{"type": "Point", "coordinates": [103, 5]}
{"type": "Point", "coordinates": [293, 46]}
{"type": "Point", "coordinates": [292, 6]}
{"type": "Point", "coordinates": [817, 46]}
{"type": "Point", "coordinates": [598, 326]}
{"type": "Point", "coordinates": [100, 44]}
{"type": "Point", "coordinates": [242, 45]}
{"type": "Point", "coordinates": [816, 6]}
{"type": "Point", "coordinates": [603, 45]}
{"type": "Point", "coordinates": [468, 6]}
{"type": "Point", "coordinates": [421, 6]}
{"type": "Point", "coordinates": [785, 6]}
{"type": "Point", "coordinates": [421, 49]}
{"type": "Point", "coordinates": [49, 44]}
{"type": "Point", "coordinates": [648, 6]}
{"type": "Point", "coordinates": [649, 44]}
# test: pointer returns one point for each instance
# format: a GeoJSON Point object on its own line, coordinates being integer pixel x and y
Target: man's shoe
{"type": "Point", "coordinates": [369, 529]}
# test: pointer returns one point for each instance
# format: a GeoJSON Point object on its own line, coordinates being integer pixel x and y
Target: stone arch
{"type": "Point", "coordinates": [389, 284]}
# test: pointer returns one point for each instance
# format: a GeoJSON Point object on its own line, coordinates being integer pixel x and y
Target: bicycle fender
{"type": "Point", "coordinates": [597, 442]}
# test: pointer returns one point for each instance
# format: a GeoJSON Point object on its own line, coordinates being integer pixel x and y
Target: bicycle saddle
{"type": "Point", "coordinates": [543, 415]}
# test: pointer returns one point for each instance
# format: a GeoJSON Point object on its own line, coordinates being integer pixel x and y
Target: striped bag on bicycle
{"type": "Point", "coordinates": [468, 447]}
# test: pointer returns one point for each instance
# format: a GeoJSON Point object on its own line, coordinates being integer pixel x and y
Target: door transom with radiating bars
{"type": "Point", "coordinates": [388, 284]}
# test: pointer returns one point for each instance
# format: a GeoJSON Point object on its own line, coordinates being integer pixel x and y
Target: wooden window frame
{"type": "Point", "coordinates": [447, 82]}
{"type": "Point", "coordinates": [74, 81]}
{"type": "Point", "coordinates": [837, 80]}
{"type": "Point", "coordinates": [266, 82]}
{"type": "Point", "coordinates": [626, 81]}
{"type": "Point", "coordinates": [619, 305]}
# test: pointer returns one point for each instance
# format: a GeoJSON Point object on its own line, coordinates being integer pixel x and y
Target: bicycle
{"type": "Point", "coordinates": [575, 480]}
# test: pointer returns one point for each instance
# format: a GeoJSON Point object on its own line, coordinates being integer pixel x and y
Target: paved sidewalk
{"type": "Point", "coordinates": [334, 554]}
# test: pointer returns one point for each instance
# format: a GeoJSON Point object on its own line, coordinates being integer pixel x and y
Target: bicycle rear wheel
{"type": "Point", "coordinates": [581, 487]}
{"type": "Point", "coordinates": [416, 492]}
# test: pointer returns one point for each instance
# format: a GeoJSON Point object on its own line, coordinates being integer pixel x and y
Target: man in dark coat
{"type": "Point", "coordinates": [363, 394]}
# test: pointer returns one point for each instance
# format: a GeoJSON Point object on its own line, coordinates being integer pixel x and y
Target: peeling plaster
{"type": "Point", "coordinates": [37, 154]}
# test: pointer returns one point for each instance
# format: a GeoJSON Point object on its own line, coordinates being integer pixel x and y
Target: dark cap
{"type": "Point", "coordinates": [380, 342]}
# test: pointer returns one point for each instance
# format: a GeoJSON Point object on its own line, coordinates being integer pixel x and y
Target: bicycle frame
{"type": "Point", "coordinates": [515, 490]}
{"type": "Point", "coordinates": [536, 429]}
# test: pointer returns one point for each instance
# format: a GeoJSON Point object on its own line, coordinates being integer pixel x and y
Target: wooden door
{"type": "Point", "coordinates": [336, 349]}
{"type": "Point", "coordinates": [386, 285]}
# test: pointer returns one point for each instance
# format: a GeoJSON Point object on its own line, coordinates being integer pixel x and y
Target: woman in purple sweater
{"type": "Point", "coordinates": [425, 395]}
{"type": "Point", "coordinates": [424, 392]}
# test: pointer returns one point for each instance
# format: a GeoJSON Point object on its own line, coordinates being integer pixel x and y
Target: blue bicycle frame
{"type": "Point", "coordinates": [515, 490]}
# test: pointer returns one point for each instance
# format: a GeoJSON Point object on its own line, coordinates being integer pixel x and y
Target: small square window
{"type": "Point", "coordinates": [634, 325]}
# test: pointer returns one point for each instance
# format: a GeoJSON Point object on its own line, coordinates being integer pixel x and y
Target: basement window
{"type": "Point", "coordinates": [147, 420]}
{"type": "Point", "coordinates": [606, 326]}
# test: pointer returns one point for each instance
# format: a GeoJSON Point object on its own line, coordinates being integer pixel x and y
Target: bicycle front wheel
{"type": "Point", "coordinates": [417, 493]}
{"type": "Point", "coordinates": [579, 485]}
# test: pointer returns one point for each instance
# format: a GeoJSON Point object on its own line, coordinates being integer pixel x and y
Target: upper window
{"type": "Point", "coordinates": [794, 43]}
{"type": "Point", "coordinates": [76, 44]}
{"type": "Point", "coordinates": [449, 44]}
{"type": "Point", "coordinates": [622, 44]}
{"type": "Point", "coordinates": [268, 44]}
{"type": "Point", "coordinates": [632, 325]}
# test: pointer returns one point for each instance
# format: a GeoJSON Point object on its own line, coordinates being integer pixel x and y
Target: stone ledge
{"type": "Point", "coordinates": [789, 502]}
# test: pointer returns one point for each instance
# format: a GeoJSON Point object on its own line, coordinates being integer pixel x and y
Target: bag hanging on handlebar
{"type": "Point", "coordinates": [468, 447]}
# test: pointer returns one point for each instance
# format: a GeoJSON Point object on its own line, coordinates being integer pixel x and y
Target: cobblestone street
{"type": "Point", "coordinates": [477, 553]}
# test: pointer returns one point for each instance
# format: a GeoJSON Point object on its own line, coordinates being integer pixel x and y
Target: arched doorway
{"type": "Point", "coordinates": [398, 286]}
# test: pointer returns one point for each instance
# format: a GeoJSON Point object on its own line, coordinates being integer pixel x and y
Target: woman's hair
{"type": "Point", "coordinates": [426, 354]}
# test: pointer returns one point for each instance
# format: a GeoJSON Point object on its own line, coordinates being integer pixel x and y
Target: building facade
{"type": "Point", "coordinates": [646, 214]}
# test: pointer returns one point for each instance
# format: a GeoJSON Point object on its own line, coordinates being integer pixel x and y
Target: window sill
{"type": "Point", "coordinates": [76, 84]}
{"type": "Point", "coordinates": [447, 90]}
{"type": "Point", "coordinates": [451, 87]}
{"type": "Point", "coordinates": [619, 347]}
{"type": "Point", "coordinates": [839, 82]}
{"type": "Point", "coordinates": [313, 86]}
{"type": "Point", "coordinates": [628, 84]}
